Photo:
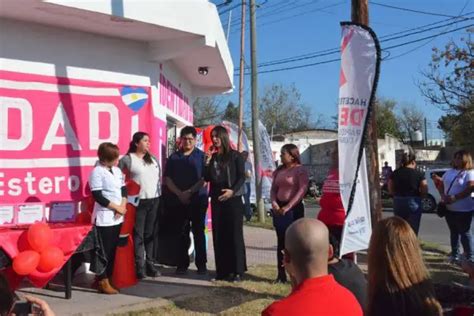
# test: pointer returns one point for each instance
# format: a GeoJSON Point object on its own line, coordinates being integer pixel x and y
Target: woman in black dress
{"type": "Point", "coordinates": [225, 171]}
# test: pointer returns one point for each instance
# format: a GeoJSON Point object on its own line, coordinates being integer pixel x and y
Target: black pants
{"type": "Point", "coordinates": [460, 228]}
{"type": "Point", "coordinates": [144, 231]}
{"type": "Point", "coordinates": [228, 236]}
{"type": "Point", "coordinates": [109, 237]}
{"type": "Point", "coordinates": [281, 223]}
{"type": "Point", "coordinates": [191, 218]}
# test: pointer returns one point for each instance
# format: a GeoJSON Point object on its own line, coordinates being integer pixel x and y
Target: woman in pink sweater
{"type": "Point", "coordinates": [290, 182]}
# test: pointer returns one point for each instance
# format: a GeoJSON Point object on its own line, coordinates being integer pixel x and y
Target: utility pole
{"type": "Point", "coordinates": [425, 138]}
{"type": "Point", "coordinates": [242, 70]}
{"type": "Point", "coordinates": [256, 139]}
{"type": "Point", "coordinates": [360, 14]}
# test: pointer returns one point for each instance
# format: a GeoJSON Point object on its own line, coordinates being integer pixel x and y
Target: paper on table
{"type": "Point", "coordinates": [7, 214]}
{"type": "Point", "coordinates": [30, 213]}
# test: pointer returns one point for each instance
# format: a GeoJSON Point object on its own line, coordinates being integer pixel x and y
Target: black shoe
{"type": "Point", "coordinates": [151, 271]}
{"type": "Point", "coordinates": [281, 280]}
{"type": "Point", "coordinates": [237, 278]}
{"type": "Point", "coordinates": [140, 275]}
{"type": "Point", "coordinates": [181, 271]}
{"type": "Point", "coordinates": [220, 278]}
{"type": "Point", "coordinates": [202, 270]}
{"type": "Point", "coordinates": [234, 278]}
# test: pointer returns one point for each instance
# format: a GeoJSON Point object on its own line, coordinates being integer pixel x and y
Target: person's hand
{"type": "Point", "coordinates": [317, 199]}
{"type": "Point", "coordinates": [227, 194]}
{"type": "Point", "coordinates": [185, 197]}
{"type": "Point", "coordinates": [448, 199]}
{"type": "Point", "coordinates": [208, 154]}
{"type": "Point", "coordinates": [283, 210]}
{"type": "Point", "coordinates": [120, 210]}
{"type": "Point", "coordinates": [275, 206]}
{"type": "Point", "coordinates": [42, 307]}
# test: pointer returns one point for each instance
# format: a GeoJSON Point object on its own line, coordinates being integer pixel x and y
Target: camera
{"type": "Point", "coordinates": [22, 308]}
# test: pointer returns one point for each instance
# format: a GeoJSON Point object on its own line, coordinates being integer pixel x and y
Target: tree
{"type": "Point", "coordinates": [282, 110]}
{"type": "Point", "coordinates": [231, 113]}
{"type": "Point", "coordinates": [410, 120]}
{"type": "Point", "coordinates": [206, 111]}
{"type": "Point", "coordinates": [387, 121]}
{"type": "Point", "coordinates": [448, 83]}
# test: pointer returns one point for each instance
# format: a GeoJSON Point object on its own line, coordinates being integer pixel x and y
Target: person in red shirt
{"type": "Point", "coordinates": [332, 211]}
{"type": "Point", "coordinates": [315, 292]}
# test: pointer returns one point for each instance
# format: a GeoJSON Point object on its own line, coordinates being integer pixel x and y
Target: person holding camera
{"type": "Point", "coordinates": [9, 304]}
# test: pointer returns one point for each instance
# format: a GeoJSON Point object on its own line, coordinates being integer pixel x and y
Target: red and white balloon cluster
{"type": "Point", "coordinates": [43, 256]}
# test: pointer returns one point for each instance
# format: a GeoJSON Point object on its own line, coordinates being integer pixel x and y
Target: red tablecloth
{"type": "Point", "coordinates": [65, 236]}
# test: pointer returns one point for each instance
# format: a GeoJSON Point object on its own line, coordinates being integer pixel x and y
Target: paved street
{"type": "Point", "coordinates": [432, 228]}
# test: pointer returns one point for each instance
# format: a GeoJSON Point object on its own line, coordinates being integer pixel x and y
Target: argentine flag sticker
{"type": "Point", "coordinates": [134, 98]}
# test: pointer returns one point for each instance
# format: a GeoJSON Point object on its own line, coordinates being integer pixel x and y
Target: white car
{"type": "Point", "coordinates": [428, 203]}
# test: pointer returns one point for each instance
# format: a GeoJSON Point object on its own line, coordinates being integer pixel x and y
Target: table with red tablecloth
{"type": "Point", "coordinates": [70, 238]}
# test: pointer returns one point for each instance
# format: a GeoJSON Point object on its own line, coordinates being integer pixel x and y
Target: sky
{"type": "Point", "coordinates": [288, 28]}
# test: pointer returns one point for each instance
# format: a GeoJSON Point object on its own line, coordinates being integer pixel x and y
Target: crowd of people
{"type": "Point", "coordinates": [398, 282]}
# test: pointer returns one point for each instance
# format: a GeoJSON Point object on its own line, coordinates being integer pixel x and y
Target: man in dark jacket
{"type": "Point", "coordinates": [187, 198]}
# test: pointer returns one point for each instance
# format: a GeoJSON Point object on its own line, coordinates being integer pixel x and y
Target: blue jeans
{"type": "Point", "coordinates": [248, 209]}
{"type": "Point", "coordinates": [408, 208]}
{"type": "Point", "coordinates": [460, 227]}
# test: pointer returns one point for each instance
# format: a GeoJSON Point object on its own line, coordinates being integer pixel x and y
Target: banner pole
{"type": "Point", "coordinates": [360, 14]}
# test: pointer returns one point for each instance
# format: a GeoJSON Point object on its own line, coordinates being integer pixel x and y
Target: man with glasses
{"type": "Point", "coordinates": [187, 199]}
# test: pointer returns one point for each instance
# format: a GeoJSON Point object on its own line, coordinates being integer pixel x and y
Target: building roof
{"type": "Point", "coordinates": [187, 33]}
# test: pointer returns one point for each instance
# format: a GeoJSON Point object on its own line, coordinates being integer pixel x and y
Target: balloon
{"type": "Point", "coordinates": [50, 259]}
{"type": "Point", "coordinates": [26, 262]}
{"type": "Point", "coordinates": [39, 236]}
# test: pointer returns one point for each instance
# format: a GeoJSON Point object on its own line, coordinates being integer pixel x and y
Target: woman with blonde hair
{"type": "Point", "coordinates": [456, 191]}
{"type": "Point", "coordinates": [398, 281]}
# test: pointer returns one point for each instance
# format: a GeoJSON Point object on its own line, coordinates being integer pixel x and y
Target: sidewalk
{"type": "Point", "coordinates": [151, 292]}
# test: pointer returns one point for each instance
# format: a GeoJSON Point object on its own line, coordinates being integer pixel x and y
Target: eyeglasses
{"type": "Point", "coordinates": [189, 139]}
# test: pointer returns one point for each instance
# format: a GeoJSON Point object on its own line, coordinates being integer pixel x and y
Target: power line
{"type": "Point", "coordinates": [321, 9]}
{"type": "Point", "coordinates": [427, 37]}
{"type": "Point", "coordinates": [410, 10]}
{"type": "Point", "coordinates": [384, 49]}
{"type": "Point", "coordinates": [427, 42]}
{"type": "Point", "coordinates": [385, 38]}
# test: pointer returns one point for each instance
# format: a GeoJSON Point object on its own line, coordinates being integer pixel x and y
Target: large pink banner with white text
{"type": "Point", "coordinates": [50, 129]}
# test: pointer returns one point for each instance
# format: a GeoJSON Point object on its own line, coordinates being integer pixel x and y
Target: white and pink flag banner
{"type": "Point", "coordinates": [51, 127]}
{"type": "Point", "coordinates": [360, 60]}
{"type": "Point", "coordinates": [267, 165]}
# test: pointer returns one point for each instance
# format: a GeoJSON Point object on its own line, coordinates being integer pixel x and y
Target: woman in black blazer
{"type": "Point", "coordinates": [225, 171]}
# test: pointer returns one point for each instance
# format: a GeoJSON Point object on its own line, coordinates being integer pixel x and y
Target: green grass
{"type": "Point", "coordinates": [254, 222]}
{"type": "Point", "coordinates": [249, 297]}
{"type": "Point", "coordinates": [257, 291]}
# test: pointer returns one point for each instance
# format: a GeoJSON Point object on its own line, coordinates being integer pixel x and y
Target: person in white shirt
{"type": "Point", "coordinates": [456, 191]}
{"type": "Point", "coordinates": [108, 189]}
{"type": "Point", "coordinates": [145, 170]}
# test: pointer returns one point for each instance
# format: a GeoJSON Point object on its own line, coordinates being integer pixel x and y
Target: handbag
{"type": "Point", "coordinates": [441, 208]}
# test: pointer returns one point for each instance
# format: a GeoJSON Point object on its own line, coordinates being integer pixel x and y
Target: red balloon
{"type": "Point", "coordinates": [50, 259]}
{"type": "Point", "coordinates": [26, 262]}
{"type": "Point", "coordinates": [39, 236]}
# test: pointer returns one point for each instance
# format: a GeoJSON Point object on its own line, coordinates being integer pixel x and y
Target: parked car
{"type": "Point", "coordinates": [429, 202]}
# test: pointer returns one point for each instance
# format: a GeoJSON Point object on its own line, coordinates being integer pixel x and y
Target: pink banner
{"type": "Point", "coordinates": [50, 129]}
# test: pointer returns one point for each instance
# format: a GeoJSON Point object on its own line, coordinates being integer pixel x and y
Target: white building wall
{"type": "Point", "coordinates": [59, 52]}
